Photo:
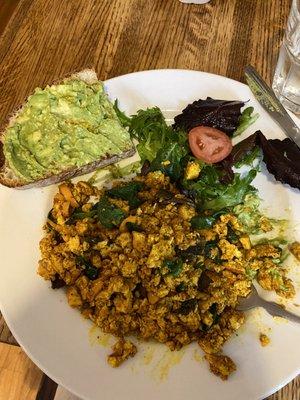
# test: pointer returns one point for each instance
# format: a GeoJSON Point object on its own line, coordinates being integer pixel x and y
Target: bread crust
{"type": "Point", "coordinates": [9, 179]}
{"type": "Point", "coordinates": [70, 173]}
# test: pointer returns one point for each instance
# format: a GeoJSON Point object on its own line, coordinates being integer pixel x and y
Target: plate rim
{"type": "Point", "coordinates": [10, 324]}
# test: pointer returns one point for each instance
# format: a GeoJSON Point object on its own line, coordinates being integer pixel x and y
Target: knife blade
{"type": "Point", "coordinates": [268, 100]}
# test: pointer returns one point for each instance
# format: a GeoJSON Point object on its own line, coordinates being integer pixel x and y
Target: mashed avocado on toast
{"type": "Point", "coordinates": [62, 127]}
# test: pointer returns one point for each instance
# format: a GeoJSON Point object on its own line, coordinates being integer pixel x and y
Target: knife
{"type": "Point", "coordinates": [268, 100]}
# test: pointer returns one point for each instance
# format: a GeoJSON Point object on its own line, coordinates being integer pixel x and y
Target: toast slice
{"type": "Point", "coordinates": [17, 156]}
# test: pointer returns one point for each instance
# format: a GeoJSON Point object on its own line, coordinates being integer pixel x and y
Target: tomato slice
{"type": "Point", "coordinates": [209, 144]}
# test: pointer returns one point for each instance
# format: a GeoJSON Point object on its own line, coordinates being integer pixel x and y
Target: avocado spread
{"type": "Point", "coordinates": [63, 126]}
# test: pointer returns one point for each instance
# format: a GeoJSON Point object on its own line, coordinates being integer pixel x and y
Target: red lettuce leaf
{"type": "Point", "coordinates": [238, 152]}
{"type": "Point", "coordinates": [282, 158]}
{"type": "Point", "coordinates": [219, 114]}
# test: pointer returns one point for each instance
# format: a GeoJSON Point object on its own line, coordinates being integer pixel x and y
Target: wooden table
{"type": "Point", "coordinates": [43, 40]}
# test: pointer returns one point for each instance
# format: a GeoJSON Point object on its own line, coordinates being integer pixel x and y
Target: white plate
{"type": "Point", "coordinates": [58, 340]}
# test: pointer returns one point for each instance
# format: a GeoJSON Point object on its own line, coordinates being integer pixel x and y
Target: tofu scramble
{"type": "Point", "coordinates": [132, 262]}
{"type": "Point", "coordinates": [264, 340]}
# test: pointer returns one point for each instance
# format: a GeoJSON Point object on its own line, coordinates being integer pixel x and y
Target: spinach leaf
{"type": "Point", "coordinates": [206, 221]}
{"type": "Point", "coordinates": [78, 214]}
{"type": "Point", "coordinates": [210, 245]}
{"type": "Point", "coordinates": [280, 156]}
{"type": "Point", "coordinates": [90, 271]}
{"type": "Point", "coordinates": [92, 240]}
{"type": "Point", "coordinates": [174, 266]}
{"type": "Point", "coordinates": [131, 227]}
{"type": "Point", "coordinates": [200, 265]}
{"type": "Point", "coordinates": [127, 192]}
{"type": "Point", "coordinates": [187, 306]}
{"type": "Point", "coordinates": [139, 291]}
{"type": "Point", "coordinates": [215, 315]}
{"type": "Point", "coordinates": [107, 213]}
{"type": "Point", "coordinates": [181, 287]}
{"type": "Point", "coordinates": [231, 235]}
{"type": "Point", "coordinates": [212, 251]}
{"type": "Point", "coordinates": [189, 254]}
{"type": "Point", "coordinates": [213, 311]}
{"type": "Point", "coordinates": [202, 222]}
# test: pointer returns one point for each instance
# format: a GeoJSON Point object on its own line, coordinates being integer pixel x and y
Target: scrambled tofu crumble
{"type": "Point", "coordinates": [133, 264]}
{"type": "Point", "coordinates": [264, 340]}
{"type": "Point", "coordinates": [122, 350]}
{"type": "Point", "coordinates": [295, 250]}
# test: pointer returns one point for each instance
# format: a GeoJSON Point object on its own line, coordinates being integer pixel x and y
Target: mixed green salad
{"type": "Point", "coordinates": [166, 148]}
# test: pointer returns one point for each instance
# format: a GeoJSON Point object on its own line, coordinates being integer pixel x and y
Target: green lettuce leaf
{"type": "Point", "coordinates": [168, 160]}
{"type": "Point", "coordinates": [150, 129]}
{"type": "Point", "coordinates": [210, 194]}
{"type": "Point", "coordinates": [156, 139]}
{"type": "Point", "coordinates": [246, 119]}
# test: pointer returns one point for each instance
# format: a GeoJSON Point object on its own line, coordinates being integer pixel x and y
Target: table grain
{"type": "Point", "coordinates": [44, 40]}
